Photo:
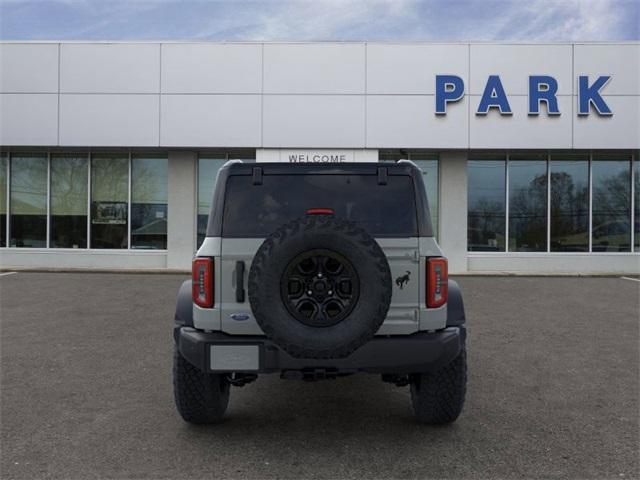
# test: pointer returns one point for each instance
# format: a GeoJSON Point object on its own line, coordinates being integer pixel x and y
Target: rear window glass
{"type": "Point", "coordinates": [257, 210]}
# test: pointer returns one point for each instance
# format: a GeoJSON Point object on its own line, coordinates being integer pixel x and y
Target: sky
{"type": "Point", "coordinates": [321, 20]}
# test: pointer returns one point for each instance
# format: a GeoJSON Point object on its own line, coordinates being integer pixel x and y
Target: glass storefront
{"type": "Point", "coordinates": [527, 177]}
{"type": "Point", "coordinates": [517, 201]}
{"type": "Point", "coordinates": [4, 165]}
{"type": "Point", "coordinates": [486, 203]}
{"type": "Point", "coordinates": [28, 202]}
{"type": "Point", "coordinates": [636, 203]}
{"type": "Point", "coordinates": [68, 210]}
{"type": "Point", "coordinates": [149, 197]}
{"type": "Point", "coordinates": [109, 201]}
{"type": "Point", "coordinates": [585, 207]}
{"type": "Point", "coordinates": [569, 210]}
{"type": "Point", "coordinates": [611, 184]}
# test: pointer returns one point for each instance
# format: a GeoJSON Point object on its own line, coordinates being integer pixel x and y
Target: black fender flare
{"type": "Point", "coordinates": [455, 305]}
{"type": "Point", "coordinates": [184, 306]}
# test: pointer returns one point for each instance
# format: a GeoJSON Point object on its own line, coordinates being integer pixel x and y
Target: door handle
{"type": "Point", "coordinates": [240, 281]}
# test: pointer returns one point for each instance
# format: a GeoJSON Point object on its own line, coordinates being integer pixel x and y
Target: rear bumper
{"type": "Point", "coordinates": [399, 354]}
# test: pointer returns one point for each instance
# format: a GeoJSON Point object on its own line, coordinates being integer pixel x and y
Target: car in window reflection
{"type": "Point", "coordinates": [612, 236]}
{"type": "Point", "coordinates": [478, 241]}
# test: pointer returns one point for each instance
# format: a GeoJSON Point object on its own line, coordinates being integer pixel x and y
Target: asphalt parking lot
{"type": "Point", "coordinates": [86, 391]}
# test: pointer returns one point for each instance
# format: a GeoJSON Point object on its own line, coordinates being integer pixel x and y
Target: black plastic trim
{"type": "Point", "coordinates": [184, 305]}
{"type": "Point", "coordinates": [455, 306]}
{"type": "Point", "coordinates": [420, 352]}
{"type": "Point", "coordinates": [240, 281]}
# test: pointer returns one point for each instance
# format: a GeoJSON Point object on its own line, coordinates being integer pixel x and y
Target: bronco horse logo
{"type": "Point", "coordinates": [401, 281]}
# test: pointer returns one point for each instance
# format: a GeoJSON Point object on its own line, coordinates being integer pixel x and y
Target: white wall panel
{"type": "Point", "coordinates": [555, 263]}
{"type": "Point", "coordinates": [314, 68]}
{"type": "Point", "coordinates": [514, 64]}
{"type": "Point", "coordinates": [621, 130]}
{"type": "Point", "coordinates": [521, 130]}
{"type": "Point", "coordinates": [211, 120]}
{"type": "Point", "coordinates": [110, 68]}
{"type": "Point", "coordinates": [82, 259]}
{"type": "Point", "coordinates": [109, 120]}
{"type": "Point", "coordinates": [211, 68]}
{"type": "Point", "coordinates": [313, 121]}
{"type": "Point", "coordinates": [620, 61]}
{"type": "Point", "coordinates": [409, 121]}
{"type": "Point", "coordinates": [28, 68]}
{"type": "Point", "coordinates": [28, 119]}
{"type": "Point", "coordinates": [411, 69]}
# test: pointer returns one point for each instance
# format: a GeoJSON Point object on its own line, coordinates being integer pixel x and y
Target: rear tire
{"type": "Point", "coordinates": [438, 397]}
{"type": "Point", "coordinates": [201, 398]}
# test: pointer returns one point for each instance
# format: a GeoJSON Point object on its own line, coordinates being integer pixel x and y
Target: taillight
{"type": "Point", "coordinates": [320, 211]}
{"type": "Point", "coordinates": [202, 281]}
{"type": "Point", "coordinates": [437, 282]}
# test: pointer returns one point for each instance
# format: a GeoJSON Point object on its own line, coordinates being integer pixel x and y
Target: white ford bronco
{"type": "Point", "coordinates": [318, 271]}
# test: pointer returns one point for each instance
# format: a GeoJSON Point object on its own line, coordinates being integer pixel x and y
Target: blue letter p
{"type": "Point", "coordinates": [449, 88]}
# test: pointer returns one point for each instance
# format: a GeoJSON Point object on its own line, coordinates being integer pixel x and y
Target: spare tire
{"type": "Point", "coordinates": [320, 287]}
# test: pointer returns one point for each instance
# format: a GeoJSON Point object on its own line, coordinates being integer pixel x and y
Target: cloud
{"type": "Point", "coordinates": [330, 20]}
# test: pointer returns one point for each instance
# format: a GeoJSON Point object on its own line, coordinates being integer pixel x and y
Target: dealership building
{"type": "Point", "coordinates": [529, 152]}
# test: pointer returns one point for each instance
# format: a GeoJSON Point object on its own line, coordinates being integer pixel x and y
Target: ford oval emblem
{"type": "Point", "coordinates": [240, 317]}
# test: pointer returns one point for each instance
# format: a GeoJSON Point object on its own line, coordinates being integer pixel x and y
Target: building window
{"type": "Point", "coordinates": [527, 203]}
{"type": "Point", "coordinates": [611, 185]}
{"type": "Point", "coordinates": [28, 208]}
{"type": "Point", "coordinates": [109, 197]}
{"type": "Point", "coordinates": [68, 208]}
{"type": "Point", "coordinates": [149, 197]}
{"type": "Point", "coordinates": [487, 204]}
{"type": "Point", "coordinates": [569, 210]}
{"type": "Point", "coordinates": [636, 202]}
{"type": "Point", "coordinates": [580, 202]}
{"type": "Point", "coordinates": [4, 165]}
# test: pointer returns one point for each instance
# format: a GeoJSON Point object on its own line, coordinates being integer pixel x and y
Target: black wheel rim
{"type": "Point", "coordinates": [320, 288]}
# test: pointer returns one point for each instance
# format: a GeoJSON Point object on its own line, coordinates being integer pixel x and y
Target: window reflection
{"type": "Point", "coordinates": [69, 201]}
{"type": "Point", "coordinates": [428, 163]}
{"type": "Point", "coordinates": [611, 230]}
{"type": "Point", "coordinates": [4, 161]}
{"type": "Point", "coordinates": [486, 205]}
{"type": "Point", "coordinates": [527, 203]}
{"type": "Point", "coordinates": [149, 196]}
{"type": "Point", "coordinates": [636, 189]}
{"type": "Point", "coordinates": [207, 172]}
{"type": "Point", "coordinates": [429, 169]}
{"type": "Point", "coordinates": [256, 212]}
{"type": "Point", "coordinates": [28, 223]}
{"type": "Point", "coordinates": [570, 203]}
{"type": "Point", "coordinates": [109, 193]}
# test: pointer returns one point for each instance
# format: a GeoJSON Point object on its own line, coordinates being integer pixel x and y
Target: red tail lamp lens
{"type": "Point", "coordinates": [202, 282]}
{"type": "Point", "coordinates": [320, 211]}
{"type": "Point", "coordinates": [437, 282]}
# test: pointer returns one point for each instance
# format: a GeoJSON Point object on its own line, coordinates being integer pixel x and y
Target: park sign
{"type": "Point", "coordinates": [542, 90]}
